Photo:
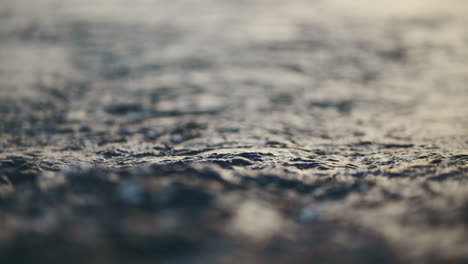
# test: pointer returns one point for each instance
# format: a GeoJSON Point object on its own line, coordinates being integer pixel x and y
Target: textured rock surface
{"type": "Point", "coordinates": [233, 131]}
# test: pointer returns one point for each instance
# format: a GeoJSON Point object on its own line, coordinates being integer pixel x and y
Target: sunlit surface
{"type": "Point", "coordinates": [233, 131]}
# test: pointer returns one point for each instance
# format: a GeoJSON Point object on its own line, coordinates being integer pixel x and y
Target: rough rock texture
{"type": "Point", "coordinates": [233, 131]}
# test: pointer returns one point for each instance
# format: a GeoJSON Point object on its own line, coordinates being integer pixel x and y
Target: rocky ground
{"type": "Point", "coordinates": [233, 131]}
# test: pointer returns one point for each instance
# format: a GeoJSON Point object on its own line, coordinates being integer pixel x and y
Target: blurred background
{"type": "Point", "coordinates": [398, 59]}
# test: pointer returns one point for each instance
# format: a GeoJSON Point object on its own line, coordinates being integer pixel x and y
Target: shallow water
{"type": "Point", "coordinates": [218, 131]}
